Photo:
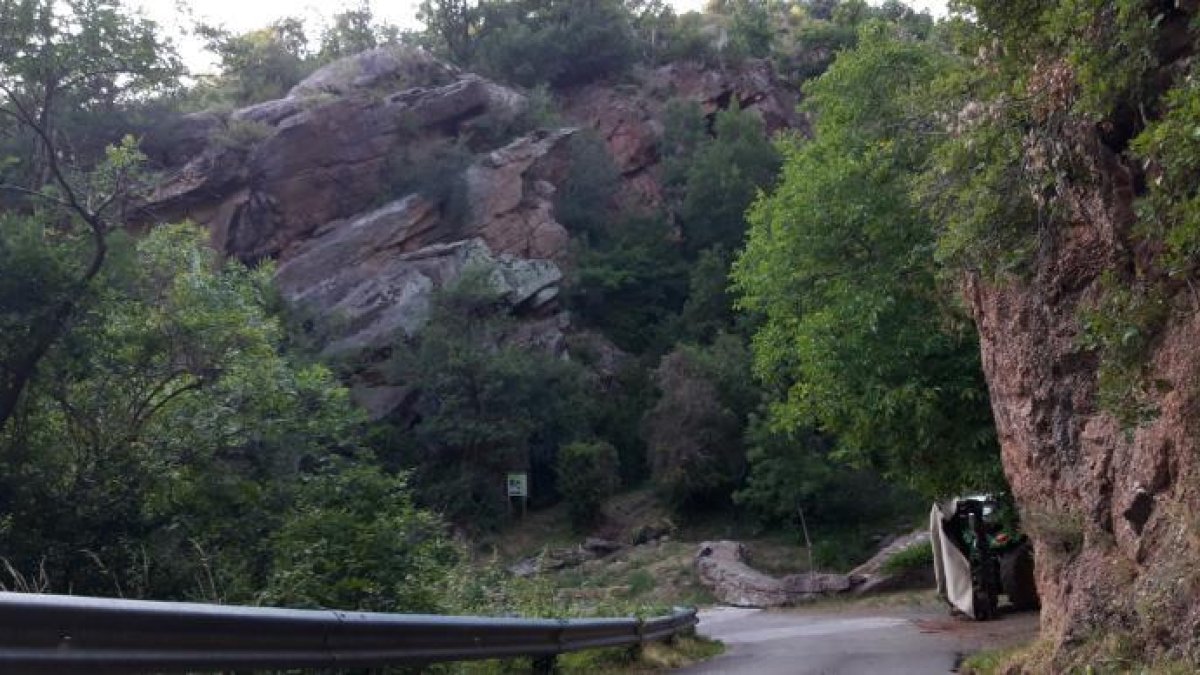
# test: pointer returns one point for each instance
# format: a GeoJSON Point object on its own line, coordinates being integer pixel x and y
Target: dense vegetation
{"type": "Point", "coordinates": [787, 319]}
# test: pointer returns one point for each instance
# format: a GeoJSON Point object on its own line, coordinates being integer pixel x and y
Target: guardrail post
{"type": "Point", "coordinates": [635, 650]}
{"type": "Point", "coordinates": [545, 665]}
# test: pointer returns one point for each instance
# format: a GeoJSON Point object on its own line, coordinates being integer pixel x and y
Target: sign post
{"type": "Point", "coordinates": [518, 486]}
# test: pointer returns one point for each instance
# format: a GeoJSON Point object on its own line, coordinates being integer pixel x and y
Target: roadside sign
{"type": "Point", "coordinates": [518, 485]}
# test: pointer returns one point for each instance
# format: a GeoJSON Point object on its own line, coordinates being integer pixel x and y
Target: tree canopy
{"type": "Point", "coordinates": [839, 263]}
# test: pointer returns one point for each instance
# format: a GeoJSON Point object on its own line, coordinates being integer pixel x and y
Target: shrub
{"type": "Point", "coordinates": [588, 473]}
{"type": "Point", "coordinates": [914, 557]}
{"type": "Point", "coordinates": [354, 540]}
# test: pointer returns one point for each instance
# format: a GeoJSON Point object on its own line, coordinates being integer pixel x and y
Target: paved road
{"type": "Point", "coordinates": [851, 641]}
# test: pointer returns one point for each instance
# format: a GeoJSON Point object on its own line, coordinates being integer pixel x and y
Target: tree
{"type": "Point", "coordinates": [694, 431]}
{"type": "Point", "coordinates": [556, 42]}
{"type": "Point", "coordinates": [55, 59]}
{"type": "Point", "coordinates": [354, 30]}
{"type": "Point", "coordinates": [152, 452]}
{"type": "Point", "coordinates": [631, 282]}
{"type": "Point", "coordinates": [588, 474]}
{"type": "Point", "coordinates": [723, 177]}
{"type": "Point", "coordinates": [839, 263]}
{"type": "Point", "coordinates": [260, 65]}
{"type": "Point", "coordinates": [752, 32]}
{"type": "Point", "coordinates": [485, 407]}
{"type": "Point", "coordinates": [452, 27]}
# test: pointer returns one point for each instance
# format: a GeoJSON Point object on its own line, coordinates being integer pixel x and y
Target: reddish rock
{"type": "Point", "coordinates": [1113, 513]}
{"type": "Point", "coordinates": [629, 117]}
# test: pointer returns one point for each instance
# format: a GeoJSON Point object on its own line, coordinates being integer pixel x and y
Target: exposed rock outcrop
{"type": "Point", "coordinates": [1112, 511]}
{"type": "Point", "coordinates": [273, 173]}
{"type": "Point", "coordinates": [306, 180]}
{"type": "Point", "coordinates": [630, 118]}
{"type": "Point", "coordinates": [331, 181]}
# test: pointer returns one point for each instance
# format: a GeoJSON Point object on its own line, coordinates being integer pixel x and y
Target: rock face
{"type": "Point", "coordinates": [334, 182]}
{"type": "Point", "coordinates": [1113, 513]}
{"type": "Point", "coordinates": [311, 181]}
{"type": "Point", "coordinates": [629, 119]}
{"type": "Point", "coordinates": [722, 568]}
{"type": "Point", "coordinates": [275, 172]}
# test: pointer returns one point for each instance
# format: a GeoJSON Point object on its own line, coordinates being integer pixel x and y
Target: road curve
{"type": "Point", "coordinates": [899, 641]}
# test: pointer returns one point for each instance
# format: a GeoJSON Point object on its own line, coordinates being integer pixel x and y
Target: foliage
{"type": "Point", "coordinates": [152, 454]}
{"type": "Point", "coordinates": [531, 42]}
{"type": "Point", "coordinates": [437, 172]}
{"type": "Point", "coordinates": [584, 203]}
{"type": "Point", "coordinates": [630, 281]}
{"type": "Point", "coordinates": [1122, 327]}
{"type": "Point", "coordinates": [693, 434]}
{"type": "Point", "coordinates": [838, 263]}
{"type": "Point", "coordinates": [66, 67]}
{"type": "Point", "coordinates": [708, 310]}
{"type": "Point", "coordinates": [354, 30]}
{"type": "Point", "coordinates": [486, 406]}
{"type": "Point", "coordinates": [915, 557]}
{"type": "Point", "coordinates": [354, 540]}
{"type": "Point", "coordinates": [1170, 211]}
{"type": "Point", "coordinates": [751, 32]}
{"type": "Point", "coordinates": [723, 177]}
{"type": "Point", "coordinates": [588, 474]}
{"type": "Point", "coordinates": [794, 471]}
{"type": "Point", "coordinates": [260, 65]}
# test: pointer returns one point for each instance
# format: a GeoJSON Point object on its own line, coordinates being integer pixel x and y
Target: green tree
{"type": "Point", "coordinates": [839, 264]}
{"type": "Point", "coordinates": [152, 452]}
{"type": "Point", "coordinates": [752, 31]}
{"type": "Point", "coordinates": [723, 177]}
{"type": "Point", "coordinates": [353, 539]}
{"type": "Point", "coordinates": [694, 432]}
{"type": "Point", "coordinates": [451, 28]}
{"type": "Point", "coordinates": [485, 407]}
{"type": "Point", "coordinates": [354, 30]}
{"type": "Point", "coordinates": [588, 474]}
{"type": "Point", "coordinates": [56, 60]}
{"type": "Point", "coordinates": [259, 65]}
{"type": "Point", "coordinates": [631, 282]}
{"type": "Point", "coordinates": [556, 42]}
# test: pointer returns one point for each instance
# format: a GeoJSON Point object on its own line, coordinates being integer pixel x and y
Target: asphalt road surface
{"type": "Point", "coordinates": [851, 641]}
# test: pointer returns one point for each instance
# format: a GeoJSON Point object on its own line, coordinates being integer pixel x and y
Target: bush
{"type": "Point", "coordinates": [354, 540]}
{"type": "Point", "coordinates": [694, 432]}
{"type": "Point", "coordinates": [915, 557]}
{"type": "Point", "coordinates": [588, 473]}
{"type": "Point", "coordinates": [557, 43]}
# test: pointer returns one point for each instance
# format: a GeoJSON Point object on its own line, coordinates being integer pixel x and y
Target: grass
{"type": "Point", "coordinates": [918, 599]}
{"type": "Point", "coordinates": [992, 661]}
{"type": "Point", "coordinates": [918, 556]}
{"type": "Point", "coordinates": [1112, 654]}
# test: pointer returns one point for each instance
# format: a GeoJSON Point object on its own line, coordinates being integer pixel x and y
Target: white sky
{"type": "Point", "coordinates": [242, 15]}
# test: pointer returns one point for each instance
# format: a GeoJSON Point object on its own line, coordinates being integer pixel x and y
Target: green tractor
{"type": "Point", "coordinates": [980, 554]}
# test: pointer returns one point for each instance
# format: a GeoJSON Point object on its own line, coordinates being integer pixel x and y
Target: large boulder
{"type": "Point", "coordinates": [722, 568]}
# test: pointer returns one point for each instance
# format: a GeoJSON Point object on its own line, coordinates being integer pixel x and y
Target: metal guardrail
{"type": "Point", "coordinates": [67, 634]}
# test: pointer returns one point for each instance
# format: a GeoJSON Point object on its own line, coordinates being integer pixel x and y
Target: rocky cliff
{"type": "Point", "coordinates": [1114, 510]}
{"type": "Point", "coordinates": [382, 176]}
